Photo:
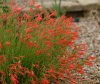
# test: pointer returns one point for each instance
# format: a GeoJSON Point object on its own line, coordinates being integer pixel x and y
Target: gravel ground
{"type": "Point", "coordinates": [90, 34]}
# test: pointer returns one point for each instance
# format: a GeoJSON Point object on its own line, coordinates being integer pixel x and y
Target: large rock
{"type": "Point", "coordinates": [90, 4]}
{"type": "Point", "coordinates": [69, 5]}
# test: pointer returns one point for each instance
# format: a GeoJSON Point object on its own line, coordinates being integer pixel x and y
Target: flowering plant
{"type": "Point", "coordinates": [39, 50]}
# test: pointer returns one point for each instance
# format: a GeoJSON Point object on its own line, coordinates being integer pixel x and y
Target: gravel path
{"type": "Point", "coordinates": [90, 34]}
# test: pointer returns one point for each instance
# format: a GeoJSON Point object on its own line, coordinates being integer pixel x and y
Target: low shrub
{"type": "Point", "coordinates": [39, 50]}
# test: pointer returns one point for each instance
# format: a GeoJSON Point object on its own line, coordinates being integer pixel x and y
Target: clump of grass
{"type": "Point", "coordinates": [57, 6]}
{"type": "Point", "coordinates": [39, 50]}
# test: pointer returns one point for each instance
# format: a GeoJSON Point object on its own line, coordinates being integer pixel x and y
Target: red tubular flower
{"type": "Point", "coordinates": [13, 79]}
{"type": "Point", "coordinates": [83, 47]}
{"type": "Point", "coordinates": [51, 31]}
{"type": "Point", "coordinates": [50, 21]}
{"type": "Point", "coordinates": [20, 23]}
{"type": "Point", "coordinates": [53, 13]}
{"type": "Point", "coordinates": [4, 16]}
{"type": "Point", "coordinates": [31, 10]}
{"type": "Point", "coordinates": [63, 17]}
{"type": "Point", "coordinates": [81, 52]}
{"type": "Point", "coordinates": [31, 3]}
{"type": "Point", "coordinates": [36, 66]}
{"type": "Point", "coordinates": [30, 44]}
{"type": "Point", "coordinates": [25, 15]}
{"type": "Point", "coordinates": [30, 74]}
{"type": "Point", "coordinates": [33, 82]}
{"type": "Point", "coordinates": [51, 71]}
{"type": "Point", "coordinates": [35, 25]}
{"type": "Point", "coordinates": [59, 31]}
{"type": "Point", "coordinates": [61, 75]}
{"type": "Point", "coordinates": [73, 81]}
{"type": "Point", "coordinates": [45, 81]}
{"type": "Point", "coordinates": [35, 45]}
{"type": "Point", "coordinates": [38, 52]}
{"type": "Point", "coordinates": [1, 46]}
{"type": "Point", "coordinates": [2, 73]}
{"type": "Point", "coordinates": [46, 75]}
{"type": "Point", "coordinates": [68, 21]}
{"type": "Point", "coordinates": [28, 30]}
{"type": "Point", "coordinates": [17, 9]}
{"type": "Point", "coordinates": [2, 59]}
{"type": "Point", "coordinates": [68, 72]}
{"type": "Point", "coordinates": [38, 6]}
{"type": "Point", "coordinates": [80, 70]}
{"type": "Point", "coordinates": [74, 35]}
{"type": "Point", "coordinates": [89, 63]}
{"type": "Point", "coordinates": [54, 76]}
{"type": "Point", "coordinates": [48, 44]}
{"type": "Point", "coordinates": [8, 43]}
{"type": "Point", "coordinates": [39, 18]}
{"type": "Point", "coordinates": [29, 24]}
{"type": "Point", "coordinates": [22, 73]}
{"type": "Point", "coordinates": [91, 58]}
{"type": "Point", "coordinates": [62, 41]}
{"type": "Point", "coordinates": [71, 66]}
{"type": "Point", "coordinates": [9, 30]}
{"type": "Point", "coordinates": [57, 82]}
{"type": "Point", "coordinates": [28, 36]}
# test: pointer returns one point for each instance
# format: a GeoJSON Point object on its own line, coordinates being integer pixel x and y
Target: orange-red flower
{"type": "Point", "coordinates": [80, 70]}
{"type": "Point", "coordinates": [28, 30]}
{"type": "Point", "coordinates": [71, 66]}
{"type": "Point", "coordinates": [31, 10]}
{"type": "Point", "coordinates": [89, 63]}
{"type": "Point", "coordinates": [31, 3]}
{"type": "Point", "coordinates": [48, 44]}
{"type": "Point", "coordinates": [13, 79]}
{"type": "Point", "coordinates": [33, 82]}
{"type": "Point", "coordinates": [38, 52]}
{"type": "Point", "coordinates": [39, 18]}
{"type": "Point", "coordinates": [8, 43]}
{"type": "Point", "coordinates": [38, 6]}
{"type": "Point", "coordinates": [1, 46]}
{"type": "Point", "coordinates": [45, 81]}
{"type": "Point", "coordinates": [68, 73]}
{"type": "Point", "coordinates": [91, 58]}
{"type": "Point", "coordinates": [2, 59]}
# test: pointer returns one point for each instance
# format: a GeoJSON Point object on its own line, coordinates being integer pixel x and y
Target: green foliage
{"type": "Point", "coordinates": [57, 6]}
{"type": "Point", "coordinates": [4, 7]}
{"type": "Point", "coordinates": [39, 50]}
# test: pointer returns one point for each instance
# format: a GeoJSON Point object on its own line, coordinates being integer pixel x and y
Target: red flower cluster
{"type": "Point", "coordinates": [40, 49]}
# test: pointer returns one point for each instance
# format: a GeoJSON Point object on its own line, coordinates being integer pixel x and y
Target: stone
{"type": "Point", "coordinates": [68, 5]}
{"type": "Point", "coordinates": [98, 38]}
{"type": "Point", "coordinates": [88, 2]}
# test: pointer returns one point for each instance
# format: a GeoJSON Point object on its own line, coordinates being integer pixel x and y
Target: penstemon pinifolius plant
{"type": "Point", "coordinates": [39, 50]}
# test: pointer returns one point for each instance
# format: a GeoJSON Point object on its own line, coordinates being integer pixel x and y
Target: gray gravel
{"type": "Point", "coordinates": [90, 34]}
